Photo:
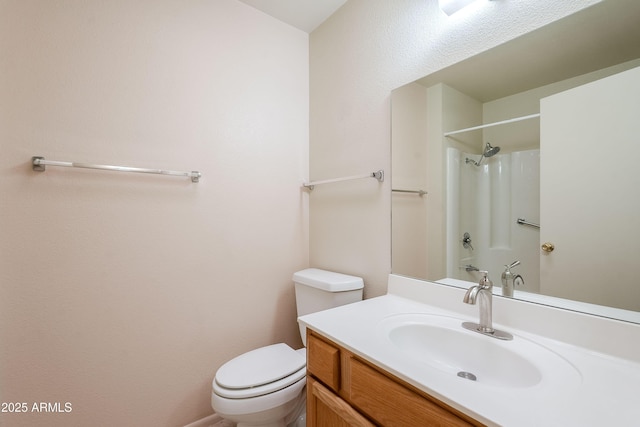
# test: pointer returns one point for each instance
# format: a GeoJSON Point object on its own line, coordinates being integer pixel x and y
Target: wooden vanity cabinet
{"type": "Point", "coordinates": [344, 390]}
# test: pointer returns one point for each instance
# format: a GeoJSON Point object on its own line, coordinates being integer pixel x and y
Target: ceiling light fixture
{"type": "Point", "coordinates": [452, 6]}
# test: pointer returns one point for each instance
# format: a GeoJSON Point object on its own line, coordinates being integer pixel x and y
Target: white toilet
{"type": "Point", "coordinates": [266, 387]}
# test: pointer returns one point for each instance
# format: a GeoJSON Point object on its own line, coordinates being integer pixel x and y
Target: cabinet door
{"type": "Point", "coordinates": [325, 409]}
{"type": "Point", "coordinates": [325, 363]}
{"type": "Point", "coordinates": [391, 404]}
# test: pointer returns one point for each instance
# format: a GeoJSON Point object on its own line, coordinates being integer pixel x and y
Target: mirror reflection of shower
{"type": "Point", "coordinates": [486, 202]}
{"type": "Point", "coordinates": [489, 151]}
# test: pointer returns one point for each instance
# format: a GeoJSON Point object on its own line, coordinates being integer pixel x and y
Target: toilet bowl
{"type": "Point", "coordinates": [263, 387]}
{"type": "Point", "coordinates": [266, 387]}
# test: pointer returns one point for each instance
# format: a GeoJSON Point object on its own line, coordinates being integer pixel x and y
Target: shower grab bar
{"type": "Point", "coordinates": [379, 175]}
{"type": "Point", "coordinates": [523, 221]}
{"type": "Point", "coordinates": [488, 125]}
{"type": "Point", "coordinates": [39, 163]}
{"type": "Point", "coordinates": [420, 192]}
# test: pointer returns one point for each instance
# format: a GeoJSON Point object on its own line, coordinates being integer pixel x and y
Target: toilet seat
{"type": "Point", "coordinates": [259, 372]}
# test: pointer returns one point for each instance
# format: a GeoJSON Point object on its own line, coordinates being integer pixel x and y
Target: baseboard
{"type": "Point", "coordinates": [206, 421]}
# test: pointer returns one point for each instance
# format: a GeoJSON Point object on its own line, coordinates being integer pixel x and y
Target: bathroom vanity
{"type": "Point", "coordinates": [346, 390]}
{"type": "Point", "coordinates": [403, 359]}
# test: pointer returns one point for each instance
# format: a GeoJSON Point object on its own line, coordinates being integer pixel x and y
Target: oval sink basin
{"type": "Point", "coordinates": [443, 343]}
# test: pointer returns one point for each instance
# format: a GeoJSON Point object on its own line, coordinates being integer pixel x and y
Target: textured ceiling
{"type": "Point", "coordinates": [597, 37]}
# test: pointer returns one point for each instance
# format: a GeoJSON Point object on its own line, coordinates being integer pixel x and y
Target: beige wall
{"type": "Point", "coordinates": [365, 50]}
{"type": "Point", "coordinates": [409, 158]}
{"type": "Point", "coordinates": [123, 293]}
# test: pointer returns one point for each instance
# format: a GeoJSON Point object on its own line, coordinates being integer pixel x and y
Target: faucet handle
{"type": "Point", "coordinates": [485, 282]}
{"type": "Point", "coordinates": [466, 241]}
{"type": "Point", "coordinates": [513, 264]}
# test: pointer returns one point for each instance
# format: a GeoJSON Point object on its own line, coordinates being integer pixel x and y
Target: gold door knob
{"type": "Point", "coordinates": [548, 247]}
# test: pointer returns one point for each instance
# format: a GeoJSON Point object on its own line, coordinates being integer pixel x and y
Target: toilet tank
{"type": "Point", "coordinates": [318, 290]}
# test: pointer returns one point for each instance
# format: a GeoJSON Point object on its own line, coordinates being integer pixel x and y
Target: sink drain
{"type": "Point", "coordinates": [467, 375]}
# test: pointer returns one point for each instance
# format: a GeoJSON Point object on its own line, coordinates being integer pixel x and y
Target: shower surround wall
{"type": "Point", "coordinates": [122, 294]}
{"type": "Point", "coordinates": [486, 201]}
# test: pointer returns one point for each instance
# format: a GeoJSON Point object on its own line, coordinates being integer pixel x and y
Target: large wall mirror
{"type": "Point", "coordinates": [528, 152]}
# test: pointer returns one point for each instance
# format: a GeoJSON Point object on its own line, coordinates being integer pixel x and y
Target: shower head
{"type": "Point", "coordinates": [489, 151]}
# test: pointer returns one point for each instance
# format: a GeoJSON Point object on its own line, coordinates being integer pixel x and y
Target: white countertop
{"type": "Point", "coordinates": [604, 388]}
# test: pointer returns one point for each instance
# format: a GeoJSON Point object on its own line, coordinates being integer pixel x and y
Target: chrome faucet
{"type": "Point", "coordinates": [509, 279]}
{"type": "Point", "coordinates": [482, 293]}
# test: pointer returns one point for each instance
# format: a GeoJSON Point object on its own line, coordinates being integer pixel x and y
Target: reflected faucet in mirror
{"type": "Point", "coordinates": [509, 279]}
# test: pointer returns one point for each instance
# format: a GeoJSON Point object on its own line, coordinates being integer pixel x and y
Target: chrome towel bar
{"type": "Point", "coordinates": [419, 192]}
{"type": "Point", "coordinates": [523, 221]}
{"type": "Point", "coordinates": [379, 175]}
{"type": "Point", "coordinates": [39, 163]}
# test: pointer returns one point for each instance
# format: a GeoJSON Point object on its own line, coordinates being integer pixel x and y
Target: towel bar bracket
{"type": "Point", "coordinates": [36, 165]}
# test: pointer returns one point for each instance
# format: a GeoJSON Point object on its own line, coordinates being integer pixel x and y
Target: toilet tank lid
{"type": "Point", "coordinates": [328, 280]}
